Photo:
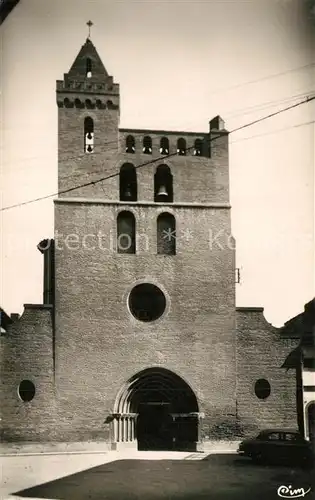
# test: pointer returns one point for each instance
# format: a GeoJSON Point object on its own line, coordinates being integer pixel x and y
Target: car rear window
{"type": "Point", "coordinates": [273, 436]}
{"type": "Point", "coordinates": [291, 437]}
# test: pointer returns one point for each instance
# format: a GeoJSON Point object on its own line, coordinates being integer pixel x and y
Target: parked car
{"type": "Point", "coordinates": [278, 445]}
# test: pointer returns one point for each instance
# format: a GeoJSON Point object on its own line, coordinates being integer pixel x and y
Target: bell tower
{"type": "Point", "coordinates": [144, 270]}
{"type": "Point", "coordinates": [88, 121]}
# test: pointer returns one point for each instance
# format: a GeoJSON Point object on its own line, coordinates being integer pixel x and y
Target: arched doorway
{"type": "Point", "coordinates": [158, 410]}
{"type": "Point", "coordinates": [311, 421]}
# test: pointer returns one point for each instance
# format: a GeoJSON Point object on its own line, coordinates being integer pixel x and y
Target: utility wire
{"type": "Point", "coordinates": [228, 116]}
{"type": "Point", "coordinates": [275, 75]}
{"type": "Point", "coordinates": [308, 99]}
{"type": "Point", "coordinates": [150, 162]}
{"type": "Point", "coordinates": [273, 131]}
{"type": "Point", "coordinates": [101, 168]}
{"type": "Point", "coordinates": [98, 171]}
{"type": "Point", "coordinates": [267, 104]}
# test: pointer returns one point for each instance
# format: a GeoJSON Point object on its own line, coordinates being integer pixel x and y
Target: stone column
{"type": "Point", "coordinates": [126, 428]}
{"type": "Point", "coordinates": [118, 429]}
{"type": "Point", "coordinates": [115, 429]}
{"type": "Point", "coordinates": [199, 443]}
{"type": "Point", "coordinates": [122, 428]}
{"type": "Point", "coordinates": [131, 428]}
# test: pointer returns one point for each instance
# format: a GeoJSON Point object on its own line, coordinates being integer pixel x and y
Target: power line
{"type": "Point", "coordinates": [265, 105]}
{"type": "Point", "coordinates": [275, 75]}
{"type": "Point", "coordinates": [308, 99]}
{"type": "Point", "coordinates": [98, 171]}
{"type": "Point", "coordinates": [232, 142]}
{"type": "Point", "coordinates": [273, 131]}
{"type": "Point", "coordinates": [71, 157]}
{"type": "Point", "coordinates": [150, 162]}
{"type": "Point", "coordinates": [228, 116]}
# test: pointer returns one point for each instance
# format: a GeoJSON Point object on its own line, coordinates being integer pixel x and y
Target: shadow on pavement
{"type": "Point", "coordinates": [219, 477]}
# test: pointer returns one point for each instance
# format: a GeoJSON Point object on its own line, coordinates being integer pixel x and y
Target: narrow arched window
{"type": "Point", "coordinates": [163, 184]}
{"type": "Point", "coordinates": [166, 234]}
{"type": "Point", "coordinates": [88, 135]}
{"type": "Point", "coordinates": [130, 144]}
{"type": "Point", "coordinates": [89, 104]}
{"type": "Point", "coordinates": [164, 146]}
{"type": "Point", "coordinates": [110, 105]}
{"type": "Point", "coordinates": [88, 68]}
{"type": "Point", "coordinates": [128, 183]}
{"type": "Point", "coordinates": [181, 147]}
{"type": "Point", "coordinates": [147, 145]}
{"type": "Point", "coordinates": [126, 233]}
{"type": "Point", "coordinates": [198, 147]}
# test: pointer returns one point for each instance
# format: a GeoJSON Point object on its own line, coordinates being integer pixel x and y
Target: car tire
{"type": "Point", "coordinates": [257, 458]}
{"type": "Point", "coordinates": [307, 462]}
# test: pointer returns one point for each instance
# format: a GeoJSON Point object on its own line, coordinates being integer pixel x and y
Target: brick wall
{"type": "Point", "coordinates": [261, 352]}
{"type": "Point", "coordinates": [99, 345]}
{"type": "Point", "coordinates": [27, 354]}
{"type": "Point", "coordinates": [196, 179]}
{"type": "Point", "coordinates": [77, 167]}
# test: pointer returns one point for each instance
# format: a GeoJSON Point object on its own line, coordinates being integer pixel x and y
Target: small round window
{"type": "Point", "coordinates": [26, 390]}
{"type": "Point", "coordinates": [262, 388]}
{"type": "Point", "coordinates": [147, 302]}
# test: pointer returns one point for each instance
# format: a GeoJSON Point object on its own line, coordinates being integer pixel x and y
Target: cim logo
{"type": "Point", "coordinates": [288, 492]}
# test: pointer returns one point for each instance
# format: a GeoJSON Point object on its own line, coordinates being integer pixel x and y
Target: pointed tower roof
{"type": "Point", "coordinates": [87, 75]}
{"type": "Point", "coordinates": [88, 59]}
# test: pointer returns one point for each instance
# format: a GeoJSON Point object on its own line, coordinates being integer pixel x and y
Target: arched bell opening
{"type": "Point", "coordinates": [88, 135]}
{"type": "Point", "coordinates": [128, 190]}
{"type": "Point", "coordinates": [181, 147]}
{"type": "Point", "coordinates": [164, 146]}
{"type": "Point", "coordinates": [130, 144]}
{"type": "Point", "coordinates": [198, 147]}
{"type": "Point", "coordinates": [88, 71]}
{"type": "Point", "coordinates": [163, 185]}
{"type": "Point", "coordinates": [158, 410]}
{"type": "Point", "coordinates": [147, 145]}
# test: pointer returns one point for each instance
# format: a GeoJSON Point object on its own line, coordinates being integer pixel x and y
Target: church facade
{"type": "Point", "coordinates": [138, 342]}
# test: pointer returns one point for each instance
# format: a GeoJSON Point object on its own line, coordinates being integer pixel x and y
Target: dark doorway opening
{"type": "Point", "coordinates": [155, 427]}
{"type": "Point", "coordinates": [165, 408]}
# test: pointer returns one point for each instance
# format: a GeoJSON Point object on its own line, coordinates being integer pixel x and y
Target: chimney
{"type": "Point", "coordinates": [217, 124]}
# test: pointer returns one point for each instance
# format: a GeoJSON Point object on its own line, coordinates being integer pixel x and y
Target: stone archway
{"type": "Point", "coordinates": [157, 410]}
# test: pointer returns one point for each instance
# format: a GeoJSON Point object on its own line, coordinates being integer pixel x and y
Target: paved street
{"type": "Point", "coordinates": [146, 475]}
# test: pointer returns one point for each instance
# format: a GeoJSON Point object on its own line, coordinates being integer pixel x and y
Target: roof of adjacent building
{"type": "Point", "coordinates": [279, 429]}
{"type": "Point", "coordinates": [5, 320]}
{"type": "Point", "coordinates": [6, 6]}
{"type": "Point", "coordinates": [301, 325]}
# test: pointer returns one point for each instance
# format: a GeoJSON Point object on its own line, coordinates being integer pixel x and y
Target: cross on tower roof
{"type": "Point", "coordinates": [90, 24]}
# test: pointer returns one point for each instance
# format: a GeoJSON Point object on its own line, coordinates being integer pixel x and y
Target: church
{"type": "Point", "coordinates": [138, 342]}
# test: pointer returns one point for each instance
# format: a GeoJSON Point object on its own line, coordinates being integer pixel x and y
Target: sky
{"type": "Point", "coordinates": [179, 64]}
